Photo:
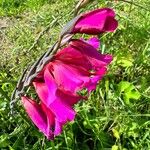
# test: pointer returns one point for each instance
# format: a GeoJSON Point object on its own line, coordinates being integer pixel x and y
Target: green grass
{"type": "Point", "coordinates": [117, 114]}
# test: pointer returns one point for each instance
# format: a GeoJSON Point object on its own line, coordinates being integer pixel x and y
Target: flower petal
{"type": "Point", "coordinates": [58, 127]}
{"type": "Point", "coordinates": [92, 55]}
{"type": "Point", "coordinates": [96, 22]}
{"type": "Point", "coordinates": [94, 41]}
{"type": "Point", "coordinates": [62, 111]}
{"type": "Point", "coordinates": [37, 115]}
{"type": "Point", "coordinates": [110, 25]}
{"type": "Point", "coordinates": [42, 91]}
{"type": "Point", "coordinates": [96, 78]}
{"type": "Point", "coordinates": [66, 77]}
{"type": "Point", "coordinates": [68, 97]}
{"type": "Point", "coordinates": [71, 55]}
{"type": "Point", "coordinates": [53, 123]}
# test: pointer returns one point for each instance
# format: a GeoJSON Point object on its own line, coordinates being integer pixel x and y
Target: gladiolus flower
{"type": "Point", "coordinates": [96, 22]}
{"type": "Point", "coordinates": [78, 66]}
{"type": "Point", "coordinates": [55, 108]}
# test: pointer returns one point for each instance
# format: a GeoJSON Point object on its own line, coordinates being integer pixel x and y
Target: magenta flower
{"type": "Point", "coordinates": [80, 65]}
{"type": "Point", "coordinates": [54, 109]}
{"type": "Point", "coordinates": [96, 22]}
{"type": "Point", "coordinates": [76, 67]}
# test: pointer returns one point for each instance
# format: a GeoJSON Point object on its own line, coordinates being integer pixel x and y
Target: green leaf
{"type": "Point", "coordinates": [114, 147]}
{"type": "Point", "coordinates": [125, 62]}
{"type": "Point", "coordinates": [123, 85]}
{"type": "Point", "coordinates": [133, 95]}
{"type": "Point", "coordinates": [4, 140]}
{"type": "Point", "coordinates": [128, 91]}
{"type": "Point", "coordinates": [115, 133]}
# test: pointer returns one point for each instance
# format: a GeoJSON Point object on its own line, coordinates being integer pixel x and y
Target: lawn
{"type": "Point", "coordinates": [116, 115]}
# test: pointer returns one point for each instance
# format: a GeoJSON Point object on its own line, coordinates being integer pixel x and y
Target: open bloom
{"type": "Point", "coordinates": [54, 109]}
{"type": "Point", "coordinates": [80, 66]}
{"type": "Point", "coordinates": [96, 22]}
{"type": "Point", "coordinates": [76, 67]}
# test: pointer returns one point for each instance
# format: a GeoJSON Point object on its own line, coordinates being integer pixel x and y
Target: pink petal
{"type": "Point", "coordinates": [37, 115]}
{"type": "Point", "coordinates": [58, 127]}
{"type": "Point", "coordinates": [96, 78]}
{"type": "Point", "coordinates": [68, 97]}
{"type": "Point", "coordinates": [96, 22]}
{"type": "Point", "coordinates": [111, 24]}
{"type": "Point", "coordinates": [93, 56]}
{"type": "Point", "coordinates": [42, 91]}
{"type": "Point", "coordinates": [71, 70]}
{"type": "Point", "coordinates": [62, 112]}
{"type": "Point", "coordinates": [50, 83]}
{"type": "Point", "coordinates": [51, 87]}
{"type": "Point", "coordinates": [94, 41]}
{"type": "Point", "coordinates": [70, 55]}
{"type": "Point", "coordinates": [53, 123]}
{"type": "Point", "coordinates": [66, 77]}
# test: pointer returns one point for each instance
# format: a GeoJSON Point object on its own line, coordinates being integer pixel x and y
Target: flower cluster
{"type": "Point", "coordinates": [76, 67]}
